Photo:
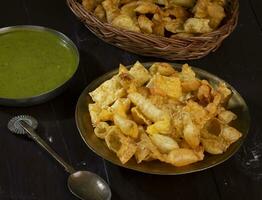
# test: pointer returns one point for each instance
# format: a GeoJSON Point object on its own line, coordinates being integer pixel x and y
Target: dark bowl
{"type": "Point", "coordinates": [41, 98]}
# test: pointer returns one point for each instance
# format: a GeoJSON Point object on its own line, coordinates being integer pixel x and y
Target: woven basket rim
{"type": "Point", "coordinates": [170, 48]}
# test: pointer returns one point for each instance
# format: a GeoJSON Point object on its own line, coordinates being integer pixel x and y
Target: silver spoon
{"type": "Point", "coordinates": [83, 184]}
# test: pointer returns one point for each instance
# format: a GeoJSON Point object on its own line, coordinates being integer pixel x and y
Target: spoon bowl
{"type": "Point", "coordinates": [87, 184]}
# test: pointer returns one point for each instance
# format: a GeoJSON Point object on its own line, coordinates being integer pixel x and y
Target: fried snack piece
{"type": "Point", "coordinates": [111, 9]}
{"type": "Point", "coordinates": [225, 93]}
{"type": "Point", "coordinates": [210, 139]}
{"type": "Point", "coordinates": [159, 28]}
{"type": "Point", "coordinates": [145, 24]}
{"type": "Point", "coordinates": [198, 113]}
{"type": "Point", "coordinates": [181, 156]}
{"type": "Point", "coordinates": [204, 92]}
{"type": "Point", "coordinates": [98, 114]}
{"type": "Point", "coordinates": [100, 13]}
{"type": "Point", "coordinates": [145, 7]}
{"type": "Point", "coordinates": [158, 16]}
{"type": "Point", "coordinates": [213, 107]}
{"type": "Point", "coordinates": [189, 82]}
{"type": "Point", "coordinates": [143, 91]}
{"type": "Point", "coordinates": [216, 14]}
{"type": "Point", "coordinates": [191, 132]}
{"type": "Point", "coordinates": [226, 116]}
{"type": "Point", "coordinates": [127, 126]}
{"type": "Point", "coordinates": [108, 92]}
{"type": "Point", "coordinates": [129, 9]}
{"type": "Point", "coordinates": [146, 150]}
{"type": "Point", "coordinates": [165, 86]}
{"type": "Point", "coordinates": [216, 137]}
{"type": "Point", "coordinates": [125, 22]}
{"type": "Point", "coordinates": [159, 25]}
{"type": "Point", "coordinates": [195, 25]}
{"type": "Point", "coordinates": [164, 143]}
{"type": "Point", "coordinates": [175, 25]}
{"type": "Point", "coordinates": [176, 127]}
{"type": "Point", "coordinates": [190, 85]}
{"type": "Point", "coordinates": [230, 134]}
{"type": "Point", "coordinates": [89, 5]}
{"type": "Point", "coordinates": [143, 151]}
{"type": "Point", "coordinates": [122, 69]}
{"type": "Point", "coordinates": [213, 146]}
{"type": "Point", "coordinates": [133, 80]}
{"type": "Point", "coordinates": [187, 73]}
{"type": "Point", "coordinates": [94, 110]}
{"type": "Point", "coordinates": [146, 107]}
{"type": "Point", "coordinates": [200, 9]}
{"type": "Point", "coordinates": [105, 115]}
{"type": "Point", "coordinates": [101, 130]}
{"type": "Point", "coordinates": [162, 126]}
{"type": "Point", "coordinates": [212, 10]}
{"type": "Point", "coordinates": [123, 146]}
{"type": "Point", "coordinates": [184, 3]}
{"type": "Point", "coordinates": [159, 101]}
{"type": "Point", "coordinates": [164, 69]}
{"type": "Point", "coordinates": [121, 106]}
{"type": "Point", "coordinates": [127, 81]}
{"type": "Point", "coordinates": [138, 117]}
{"type": "Point", "coordinates": [161, 118]}
{"type": "Point", "coordinates": [178, 12]}
{"type": "Point", "coordinates": [140, 73]}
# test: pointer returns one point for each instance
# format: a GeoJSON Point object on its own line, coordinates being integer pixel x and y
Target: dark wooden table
{"type": "Point", "coordinates": [28, 173]}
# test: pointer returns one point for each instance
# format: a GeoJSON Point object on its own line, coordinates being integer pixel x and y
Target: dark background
{"type": "Point", "coordinates": [28, 173]}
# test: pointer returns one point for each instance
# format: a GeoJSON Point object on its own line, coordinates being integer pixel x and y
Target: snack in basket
{"type": "Point", "coordinates": [162, 114]}
{"type": "Point", "coordinates": [160, 17]}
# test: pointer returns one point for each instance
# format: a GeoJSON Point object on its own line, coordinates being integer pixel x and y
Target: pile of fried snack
{"type": "Point", "coordinates": [162, 114]}
{"type": "Point", "coordinates": [160, 17]}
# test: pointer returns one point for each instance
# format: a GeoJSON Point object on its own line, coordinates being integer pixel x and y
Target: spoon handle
{"type": "Point", "coordinates": [43, 144]}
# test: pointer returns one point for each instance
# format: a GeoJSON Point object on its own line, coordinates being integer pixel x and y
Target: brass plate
{"type": "Point", "coordinates": [83, 121]}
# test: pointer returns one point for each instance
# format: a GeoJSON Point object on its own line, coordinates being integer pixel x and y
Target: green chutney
{"type": "Point", "coordinates": [33, 62]}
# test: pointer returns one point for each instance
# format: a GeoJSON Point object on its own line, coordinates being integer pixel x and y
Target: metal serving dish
{"type": "Point", "coordinates": [83, 121]}
{"type": "Point", "coordinates": [51, 93]}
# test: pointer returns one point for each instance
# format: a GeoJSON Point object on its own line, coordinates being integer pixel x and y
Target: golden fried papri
{"type": "Point", "coordinates": [100, 13]}
{"type": "Point", "coordinates": [111, 9]}
{"type": "Point", "coordinates": [125, 22]}
{"type": "Point", "coordinates": [175, 26]}
{"type": "Point", "coordinates": [162, 114]}
{"type": "Point", "coordinates": [145, 24]}
{"type": "Point", "coordinates": [195, 25]}
{"type": "Point", "coordinates": [167, 18]}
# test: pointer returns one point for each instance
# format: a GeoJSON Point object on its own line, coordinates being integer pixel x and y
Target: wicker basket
{"type": "Point", "coordinates": [176, 48]}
